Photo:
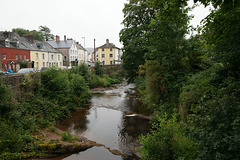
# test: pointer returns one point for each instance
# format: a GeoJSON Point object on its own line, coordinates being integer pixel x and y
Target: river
{"type": "Point", "coordinates": [115, 119]}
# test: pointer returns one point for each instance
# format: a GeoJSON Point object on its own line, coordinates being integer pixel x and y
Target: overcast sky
{"type": "Point", "coordinates": [99, 19]}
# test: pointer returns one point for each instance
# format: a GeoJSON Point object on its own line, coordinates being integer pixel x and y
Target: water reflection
{"type": "Point", "coordinates": [106, 123]}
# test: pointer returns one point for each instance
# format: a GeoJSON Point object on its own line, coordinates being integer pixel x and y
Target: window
{"type": "Point", "coordinates": [36, 56]}
{"type": "Point", "coordinates": [59, 57]}
{"type": "Point", "coordinates": [56, 64]}
{"type": "Point", "coordinates": [65, 58]}
{"type": "Point", "coordinates": [111, 62]}
{"type": "Point", "coordinates": [20, 56]}
{"type": "Point", "coordinates": [37, 65]}
{"type": "Point", "coordinates": [103, 55]}
{"type": "Point", "coordinates": [52, 57]}
{"type": "Point", "coordinates": [43, 64]}
{"type": "Point", "coordinates": [4, 56]}
{"type": "Point", "coordinates": [43, 56]}
{"type": "Point", "coordinates": [16, 56]}
{"type": "Point", "coordinates": [110, 49]}
{"type": "Point", "coordinates": [111, 55]}
{"type": "Point", "coordinates": [103, 62]}
{"type": "Point", "coordinates": [102, 49]}
{"type": "Point", "coordinates": [25, 57]}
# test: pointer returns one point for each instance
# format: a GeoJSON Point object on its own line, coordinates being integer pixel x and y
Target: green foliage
{"type": "Point", "coordinates": [82, 70]}
{"type": "Point", "coordinates": [98, 68]}
{"type": "Point", "coordinates": [46, 32]}
{"type": "Point", "coordinates": [37, 35]}
{"type": "Point", "coordinates": [79, 90]}
{"type": "Point", "coordinates": [66, 136]}
{"type": "Point", "coordinates": [197, 77]}
{"type": "Point", "coordinates": [24, 64]}
{"type": "Point", "coordinates": [167, 140]}
{"type": "Point", "coordinates": [137, 17]}
{"type": "Point", "coordinates": [120, 75]}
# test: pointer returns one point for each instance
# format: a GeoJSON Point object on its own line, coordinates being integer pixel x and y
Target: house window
{"type": "Point", "coordinates": [103, 62]}
{"type": "Point", "coordinates": [56, 64]}
{"type": "Point", "coordinates": [103, 55]}
{"type": "Point", "coordinates": [25, 57]}
{"type": "Point", "coordinates": [111, 55]}
{"type": "Point", "coordinates": [43, 56]}
{"type": "Point", "coordinates": [110, 49]}
{"type": "Point", "coordinates": [52, 57]}
{"type": "Point", "coordinates": [59, 57]}
{"type": "Point", "coordinates": [65, 58]}
{"type": "Point", "coordinates": [111, 62]}
{"type": "Point", "coordinates": [20, 56]}
{"type": "Point", "coordinates": [43, 64]}
{"type": "Point", "coordinates": [4, 56]}
{"type": "Point", "coordinates": [36, 56]}
{"type": "Point", "coordinates": [16, 56]}
{"type": "Point", "coordinates": [102, 49]}
{"type": "Point", "coordinates": [37, 65]}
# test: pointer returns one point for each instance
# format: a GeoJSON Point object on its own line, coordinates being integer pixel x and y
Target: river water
{"type": "Point", "coordinates": [115, 119]}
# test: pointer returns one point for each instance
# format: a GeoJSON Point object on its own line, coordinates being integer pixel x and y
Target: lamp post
{"type": "Point", "coordinates": [84, 41]}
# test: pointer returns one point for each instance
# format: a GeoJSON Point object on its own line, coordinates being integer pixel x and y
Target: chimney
{"type": "Point", "coordinates": [107, 42]}
{"type": "Point", "coordinates": [6, 34]}
{"type": "Point", "coordinates": [57, 38]}
{"type": "Point", "coordinates": [29, 37]}
{"type": "Point", "coordinates": [65, 38]}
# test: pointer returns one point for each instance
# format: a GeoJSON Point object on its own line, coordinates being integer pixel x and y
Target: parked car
{"type": "Point", "coordinates": [44, 68]}
{"type": "Point", "coordinates": [27, 70]}
{"type": "Point", "coordinates": [9, 71]}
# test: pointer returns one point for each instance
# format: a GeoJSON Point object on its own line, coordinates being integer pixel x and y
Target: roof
{"type": "Point", "coordinates": [61, 44]}
{"type": "Point", "coordinates": [79, 46]}
{"type": "Point", "coordinates": [108, 45]}
{"type": "Point", "coordinates": [25, 43]}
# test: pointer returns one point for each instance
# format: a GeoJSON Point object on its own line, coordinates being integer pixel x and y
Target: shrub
{"type": "Point", "coordinates": [66, 136]}
{"type": "Point", "coordinates": [79, 90]}
{"type": "Point", "coordinates": [167, 140]}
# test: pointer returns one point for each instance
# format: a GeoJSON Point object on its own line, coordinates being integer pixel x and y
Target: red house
{"type": "Point", "coordinates": [12, 57]}
{"type": "Point", "coordinates": [12, 53]}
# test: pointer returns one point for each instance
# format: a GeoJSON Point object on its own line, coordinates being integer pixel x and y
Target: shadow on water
{"type": "Point", "coordinates": [105, 122]}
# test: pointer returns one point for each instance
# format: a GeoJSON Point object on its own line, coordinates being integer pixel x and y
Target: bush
{"type": "Point", "coordinates": [99, 70]}
{"type": "Point", "coordinates": [167, 140]}
{"type": "Point", "coordinates": [66, 136]}
{"type": "Point", "coordinates": [79, 90]}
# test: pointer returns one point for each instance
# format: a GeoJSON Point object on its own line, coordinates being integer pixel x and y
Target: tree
{"type": "Point", "coordinates": [36, 34]}
{"type": "Point", "coordinates": [165, 66]}
{"type": "Point", "coordinates": [137, 17]}
{"type": "Point", "coordinates": [46, 33]}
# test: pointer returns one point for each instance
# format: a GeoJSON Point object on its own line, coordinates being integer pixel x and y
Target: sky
{"type": "Point", "coordinates": [82, 20]}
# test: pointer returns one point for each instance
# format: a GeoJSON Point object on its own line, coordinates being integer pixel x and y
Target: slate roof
{"type": "Point", "coordinates": [24, 43]}
{"type": "Point", "coordinates": [108, 45]}
{"type": "Point", "coordinates": [61, 44]}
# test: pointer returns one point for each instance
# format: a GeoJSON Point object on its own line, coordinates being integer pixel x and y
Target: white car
{"type": "Point", "coordinates": [27, 70]}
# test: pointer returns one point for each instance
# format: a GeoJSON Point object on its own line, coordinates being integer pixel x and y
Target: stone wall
{"type": "Point", "coordinates": [109, 69]}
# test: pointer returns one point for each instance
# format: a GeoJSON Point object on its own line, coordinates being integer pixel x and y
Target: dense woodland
{"type": "Point", "coordinates": [191, 84]}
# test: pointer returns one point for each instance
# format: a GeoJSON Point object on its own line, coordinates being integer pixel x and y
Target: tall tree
{"type": "Point", "coordinates": [46, 33]}
{"type": "Point", "coordinates": [165, 68]}
{"type": "Point", "coordinates": [137, 17]}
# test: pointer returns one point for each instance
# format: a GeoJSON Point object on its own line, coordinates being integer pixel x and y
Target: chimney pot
{"type": "Point", "coordinates": [65, 38]}
{"type": "Point", "coordinates": [57, 38]}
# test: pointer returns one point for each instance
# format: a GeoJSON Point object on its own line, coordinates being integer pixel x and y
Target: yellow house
{"type": "Point", "coordinates": [40, 59]}
{"type": "Point", "coordinates": [42, 54]}
{"type": "Point", "coordinates": [109, 54]}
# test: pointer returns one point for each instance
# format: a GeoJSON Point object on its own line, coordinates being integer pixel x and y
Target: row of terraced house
{"type": "Point", "coordinates": [15, 50]}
